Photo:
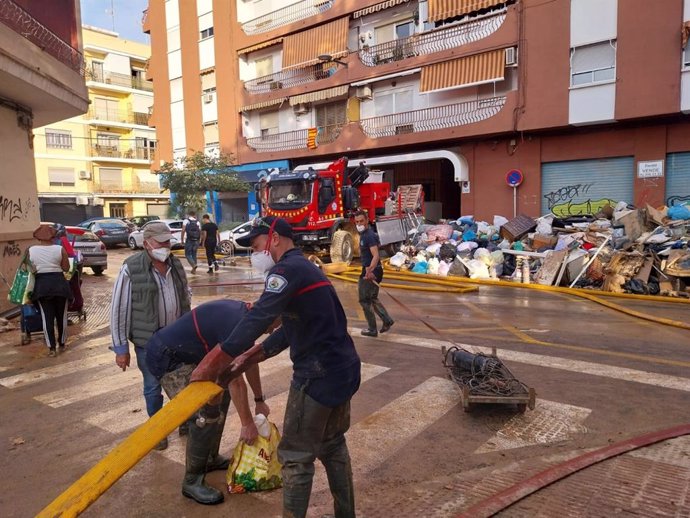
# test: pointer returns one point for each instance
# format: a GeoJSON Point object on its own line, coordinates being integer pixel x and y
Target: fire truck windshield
{"type": "Point", "coordinates": [289, 195]}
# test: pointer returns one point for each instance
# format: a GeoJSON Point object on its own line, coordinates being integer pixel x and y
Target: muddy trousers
{"type": "Point", "coordinates": [312, 431]}
{"type": "Point", "coordinates": [369, 299]}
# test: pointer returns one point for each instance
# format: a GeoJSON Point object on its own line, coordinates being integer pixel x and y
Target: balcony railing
{"type": "Point", "coordinates": [291, 13]}
{"type": "Point", "coordinates": [122, 116]}
{"type": "Point", "coordinates": [118, 188]}
{"type": "Point", "coordinates": [118, 150]}
{"type": "Point", "coordinates": [117, 79]}
{"type": "Point", "coordinates": [289, 78]}
{"type": "Point", "coordinates": [297, 139]}
{"type": "Point", "coordinates": [431, 41]}
{"type": "Point", "coordinates": [21, 22]}
{"type": "Point", "coordinates": [436, 118]}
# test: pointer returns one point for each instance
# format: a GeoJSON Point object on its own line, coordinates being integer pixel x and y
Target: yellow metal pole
{"type": "Point", "coordinates": [125, 455]}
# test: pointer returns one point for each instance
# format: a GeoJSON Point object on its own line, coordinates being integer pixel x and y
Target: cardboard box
{"type": "Point", "coordinates": [543, 241]}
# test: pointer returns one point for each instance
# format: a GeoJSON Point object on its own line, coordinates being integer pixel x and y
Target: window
{"type": "Point", "coordinates": [97, 71]}
{"type": "Point", "coordinates": [268, 122]}
{"type": "Point", "coordinates": [117, 210]}
{"type": "Point", "coordinates": [404, 30]}
{"type": "Point", "coordinates": [394, 31]}
{"type": "Point", "coordinates": [393, 101]}
{"type": "Point", "coordinates": [138, 79]}
{"type": "Point", "coordinates": [211, 133]}
{"type": "Point", "coordinates": [60, 177]}
{"type": "Point", "coordinates": [111, 178]}
{"type": "Point", "coordinates": [593, 63]}
{"type": "Point", "coordinates": [207, 33]}
{"type": "Point", "coordinates": [686, 56]}
{"type": "Point", "coordinates": [106, 109]}
{"type": "Point", "coordinates": [58, 139]}
{"type": "Point", "coordinates": [264, 66]}
{"type": "Point", "coordinates": [330, 118]}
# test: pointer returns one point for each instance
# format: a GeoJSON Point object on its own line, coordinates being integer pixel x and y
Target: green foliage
{"type": "Point", "coordinates": [191, 176]}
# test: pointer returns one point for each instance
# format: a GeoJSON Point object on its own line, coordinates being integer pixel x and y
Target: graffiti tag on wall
{"type": "Point", "coordinates": [14, 209]}
{"type": "Point", "coordinates": [677, 200]}
{"type": "Point", "coordinates": [11, 250]}
{"type": "Point", "coordinates": [568, 201]}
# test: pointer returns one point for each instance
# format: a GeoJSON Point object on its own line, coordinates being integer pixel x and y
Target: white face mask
{"type": "Point", "coordinates": [262, 261]}
{"type": "Point", "coordinates": [360, 228]}
{"type": "Point", "coordinates": [160, 254]}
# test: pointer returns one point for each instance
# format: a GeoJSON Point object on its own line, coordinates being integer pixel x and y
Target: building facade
{"type": "Point", "coordinates": [586, 98]}
{"type": "Point", "coordinates": [41, 81]}
{"type": "Point", "coordinates": [99, 163]}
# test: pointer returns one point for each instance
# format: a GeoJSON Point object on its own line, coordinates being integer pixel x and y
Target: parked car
{"type": "Point", "coordinates": [93, 251]}
{"type": "Point", "coordinates": [111, 231]}
{"type": "Point", "coordinates": [136, 238]}
{"type": "Point", "coordinates": [87, 222]}
{"type": "Point", "coordinates": [140, 221]}
{"type": "Point", "coordinates": [228, 238]}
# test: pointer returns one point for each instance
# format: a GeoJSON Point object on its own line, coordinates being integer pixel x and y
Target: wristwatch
{"type": "Point", "coordinates": [260, 399]}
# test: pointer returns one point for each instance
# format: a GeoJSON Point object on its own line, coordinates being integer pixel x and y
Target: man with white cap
{"type": "Point", "coordinates": [150, 292]}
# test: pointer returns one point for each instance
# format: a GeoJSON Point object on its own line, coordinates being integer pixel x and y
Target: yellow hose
{"type": "Point", "coordinates": [125, 455]}
{"type": "Point", "coordinates": [352, 275]}
{"type": "Point", "coordinates": [567, 291]}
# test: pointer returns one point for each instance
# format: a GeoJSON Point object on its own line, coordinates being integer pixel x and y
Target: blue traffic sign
{"type": "Point", "coordinates": [514, 178]}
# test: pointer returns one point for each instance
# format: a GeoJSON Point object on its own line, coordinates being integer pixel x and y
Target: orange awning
{"type": "Point", "coordinates": [444, 9]}
{"type": "Point", "coordinates": [471, 70]}
{"type": "Point", "coordinates": [260, 46]}
{"type": "Point", "coordinates": [304, 48]}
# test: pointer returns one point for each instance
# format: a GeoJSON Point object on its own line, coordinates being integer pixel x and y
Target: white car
{"type": "Point", "coordinates": [228, 238]}
{"type": "Point", "coordinates": [136, 238]}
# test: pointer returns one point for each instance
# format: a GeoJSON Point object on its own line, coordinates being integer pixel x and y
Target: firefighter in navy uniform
{"type": "Point", "coordinates": [326, 366]}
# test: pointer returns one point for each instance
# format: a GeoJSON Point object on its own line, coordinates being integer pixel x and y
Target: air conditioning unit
{"type": "Point", "coordinates": [364, 93]}
{"type": "Point", "coordinates": [98, 202]}
{"type": "Point", "coordinates": [301, 108]}
{"type": "Point", "coordinates": [208, 98]}
{"type": "Point", "coordinates": [511, 57]}
{"type": "Point", "coordinates": [82, 200]}
{"type": "Point", "coordinates": [85, 175]}
{"type": "Point", "coordinates": [275, 85]}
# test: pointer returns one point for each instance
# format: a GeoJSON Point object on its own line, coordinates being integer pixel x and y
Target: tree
{"type": "Point", "coordinates": [189, 178]}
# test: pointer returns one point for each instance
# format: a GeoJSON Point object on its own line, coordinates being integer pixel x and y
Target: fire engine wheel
{"type": "Point", "coordinates": [341, 247]}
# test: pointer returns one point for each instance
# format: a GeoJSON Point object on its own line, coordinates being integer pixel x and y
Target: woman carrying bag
{"type": "Point", "coordinates": [51, 289]}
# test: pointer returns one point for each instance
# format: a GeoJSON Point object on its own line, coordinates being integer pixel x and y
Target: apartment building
{"type": "Point", "coordinates": [99, 163]}
{"type": "Point", "coordinates": [41, 81]}
{"type": "Point", "coordinates": [587, 99]}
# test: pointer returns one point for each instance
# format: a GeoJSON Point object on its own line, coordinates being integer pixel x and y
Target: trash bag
{"type": "Point", "coordinates": [483, 255]}
{"type": "Point", "coordinates": [420, 267]}
{"type": "Point", "coordinates": [467, 246]}
{"type": "Point", "coordinates": [469, 235]}
{"type": "Point", "coordinates": [443, 268]}
{"type": "Point", "coordinates": [398, 260]}
{"type": "Point", "coordinates": [433, 249]}
{"type": "Point", "coordinates": [545, 225]}
{"type": "Point", "coordinates": [499, 221]}
{"type": "Point", "coordinates": [447, 252]}
{"type": "Point", "coordinates": [23, 284]}
{"type": "Point", "coordinates": [255, 467]}
{"type": "Point", "coordinates": [432, 266]}
{"type": "Point", "coordinates": [679, 212]}
{"type": "Point", "coordinates": [478, 269]}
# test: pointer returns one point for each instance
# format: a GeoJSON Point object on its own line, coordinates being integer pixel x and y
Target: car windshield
{"type": "Point", "coordinates": [112, 224]}
{"type": "Point", "coordinates": [175, 225]}
{"type": "Point", "coordinates": [289, 195]}
{"type": "Point", "coordinates": [86, 236]}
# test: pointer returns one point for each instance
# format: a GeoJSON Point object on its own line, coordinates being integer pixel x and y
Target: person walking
{"type": "Point", "coordinates": [209, 240]}
{"type": "Point", "coordinates": [371, 276]}
{"type": "Point", "coordinates": [172, 353]}
{"type": "Point", "coordinates": [150, 292]}
{"type": "Point", "coordinates": [190, 236]}
{"type": "Point", "coordinates": [326, 366]}
{"type": "Point", "coordinates": [51, 290]}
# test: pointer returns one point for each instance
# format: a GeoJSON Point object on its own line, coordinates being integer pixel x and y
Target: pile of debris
{"type": "Point", "coordinates": [621, 249]}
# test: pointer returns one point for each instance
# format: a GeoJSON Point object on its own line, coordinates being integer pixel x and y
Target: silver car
{"type": "Point", "coordinates": [93, 251]}
{"type": "Point", "coordinates": [136, 238]}
{"type": "Point", "coordinates": [228, 238]}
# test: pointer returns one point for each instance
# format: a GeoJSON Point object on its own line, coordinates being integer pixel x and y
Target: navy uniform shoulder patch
{"type": "Point", "coordinates": [275, 283]}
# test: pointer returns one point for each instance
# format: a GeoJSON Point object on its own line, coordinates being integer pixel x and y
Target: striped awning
{"type": "Point", "coordinates": [320, 95]}
{"type": "Point", "coordinates": [378, 7]}
{"type": "Point", "coordinates": [471, 70]}
{"type": "Point", "coordinates": [444, 9]}
{"type": "Point", "coordinates": [264, 104]}
{"type": "Point", "coordinates": [260, 46]}
{"type": "Point", "coordinates": [304, 48]}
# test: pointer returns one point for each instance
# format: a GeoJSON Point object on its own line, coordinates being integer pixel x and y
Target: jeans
{"type": "Point", "coordinates": [152, 388]}
{"type": "Point", "coordinates": [313, 431]}
{"type": "Point", "coordinates": [369, 299]}
{"type": "Point", "coordinates": [190, 249]}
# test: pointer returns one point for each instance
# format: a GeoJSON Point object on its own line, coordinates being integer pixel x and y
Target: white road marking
{"type": "Point", "coordinates": [552, 362]}
{"type": "Point", "coordinates": [549, 422]}
{"type": "Point", "coordinates": [231, 434]}
{"type": "Point", "coordinates": [104, 385]}
{"type": "Point", "coordinates": [55, 371]}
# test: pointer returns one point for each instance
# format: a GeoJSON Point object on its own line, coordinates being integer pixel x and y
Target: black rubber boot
{"type": "Point", "coordinates": [198, 450]}
{"type": "Point", "coordinates": [217, 462]}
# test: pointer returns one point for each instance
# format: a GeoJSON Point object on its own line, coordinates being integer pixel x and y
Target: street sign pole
{"type": "Point", "coordinates": [515, 202]}
{"type": "Point", "coordinates": [514, 178]}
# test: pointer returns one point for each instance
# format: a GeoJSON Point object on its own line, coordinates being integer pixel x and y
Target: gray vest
{"type": "Point", "coordinates": [144, 295]}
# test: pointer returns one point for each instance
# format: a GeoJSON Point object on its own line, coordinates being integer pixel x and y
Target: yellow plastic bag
{"type": "Point", "coordinates": [255, 467]}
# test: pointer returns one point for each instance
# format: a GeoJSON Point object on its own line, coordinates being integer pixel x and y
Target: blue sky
{"type": "Point", "coordinates": [127, 17]}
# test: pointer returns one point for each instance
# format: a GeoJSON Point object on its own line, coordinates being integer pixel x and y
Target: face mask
{"type": "Point", "coordinates": [360, 228]}
{"type": "Point", "coordinates": [262, 261]}
{"type": "Point", "coordinates": [160, 254]}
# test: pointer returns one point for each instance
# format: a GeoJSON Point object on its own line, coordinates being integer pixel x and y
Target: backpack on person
{"type": "Point", "coordinates": [193, 230]}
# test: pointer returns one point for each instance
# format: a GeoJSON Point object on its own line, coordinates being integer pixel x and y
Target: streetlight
{"type": "Point", "coordinates": [327, 58]}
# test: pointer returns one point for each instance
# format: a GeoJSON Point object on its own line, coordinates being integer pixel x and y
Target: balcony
{"type": "Point", "coordinates": [21, 22]}
{"type": "Point", "coordinates": [122, 151]}
{"type": "Point", "coordinates": [298, 139]}
{"type": "Point", "coordinates": [429, 119]}
{"type": "Point", "coordinates": [290, 14]}
{"type": "Point", "coordinates": [431, 41]}
{"type": "Point", "coordinates": [289, 78]}
{"type": "Point", "coordinates": [116, 79]}
{"type": "Point", "coordinates": [137, 187]}
{"type": "Point", "coordinates": [117, 116]}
